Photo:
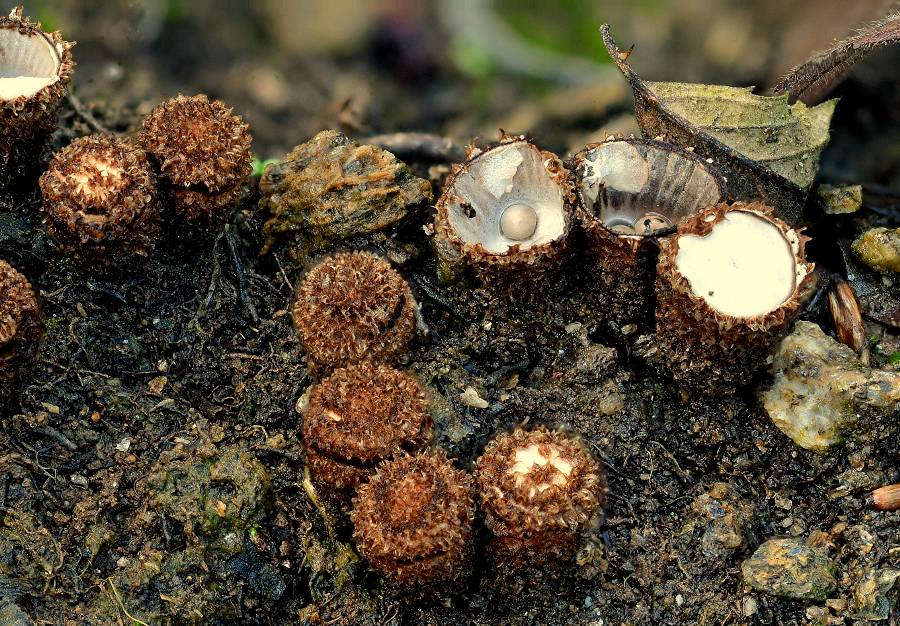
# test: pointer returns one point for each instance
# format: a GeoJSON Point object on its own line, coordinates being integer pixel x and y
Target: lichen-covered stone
{"type": "Point", "coordinates": [726, 520]}
{"type": "Point", "coordinates": [821, 389]}
{"type": "Point", "coordinates": [11, 615]}
{"type": "Point", "coordinates": [879, 248]}
{"type": "Point", "coordinates": [840, 199]}
{"type": "Point", "coordinates": [874, 593]}
{"type": "Point", "coordinates": [331, 188]}
{"type": "Point", "coordinates": [790, 568]}
{"type": "Point", "coordinates": [213, 504]}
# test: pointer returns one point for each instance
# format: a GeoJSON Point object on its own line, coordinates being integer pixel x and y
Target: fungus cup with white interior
{"type": "Point", "coordinates": [505, 211]}
{"type": "Point", "coordinates": [633, 192]}
{"type": "Point", "coordinates": [729, 284]}
{"type": "Point", "coordinates": [35, 70]}
{"type": "Point", "coordinates": [539, 490]}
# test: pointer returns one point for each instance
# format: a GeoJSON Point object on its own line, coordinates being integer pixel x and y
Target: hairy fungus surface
{"type": "Point", "coordinates": [729, 284]}
{"type": "Point", "coordinates": [509, 205]}
{"type": "Point", "coordinates": [20, 329]}
{"type": "Point", "coordinates": [35, 71]}
{"type": "Point", "coordinates": [354, 306]}
{"type": "Point", "coordinates": [413, 520]}
{"type": "Point", "coordinates": [631, 192]}
{"type": "Point", "coordinates": [100, 201]}
{"type": "Point", "coordinates": [359, 416]}
{"type": "Point", "coordinates": [203, 154]}
{"type": "Point", "coordinates": [538, 488]}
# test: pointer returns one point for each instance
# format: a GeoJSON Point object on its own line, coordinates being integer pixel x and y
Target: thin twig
{"type": "Point", "coordinates": [60, 438]}
{"type": "Point", "coordinates": [241, 278]}
{"type": "Point", "coordinates": [419, 146]}
{"type": "Point", "coordinates": [118, 599]}
{"type": "Point", "coordinates": [283, 274]}
{"type": "Point", "coordinates": [86, 115]}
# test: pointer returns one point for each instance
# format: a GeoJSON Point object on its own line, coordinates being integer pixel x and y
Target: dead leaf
{"type": "Point", "coordinates": [810, 81]}
{"type": "Point", "coordinates": [768, 150]}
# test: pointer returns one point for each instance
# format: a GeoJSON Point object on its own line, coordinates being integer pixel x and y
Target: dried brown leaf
{"type": "Point", "coordinates": [811, 81]}
{"type": "Point", "coordinates": [767, 149]}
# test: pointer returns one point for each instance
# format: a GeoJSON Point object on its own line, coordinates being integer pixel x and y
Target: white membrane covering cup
{"type": "Point", "coordinates": [744, 267]}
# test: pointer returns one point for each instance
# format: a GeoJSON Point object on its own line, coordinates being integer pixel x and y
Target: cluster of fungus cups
{"type": "Point", "coordinates": [729, 283]}
{"type": "Point", "coordinates": [358, 417]}
{"type": "Point", "coordinates": [633, 192]}
{"type": "Point", "coordinates": [100, 201]}
{"type": "Point", "coordinates": [103, 195]}
{"type": "Point", "coordinates": [539, 490]}
{"type": "Point", "coordinates": [202, 152]}
{"type": "Point", "coordinates": [20, 329]}
{"type": "Point", "coordinates": [353, 306]}
{"type": "Point", "coordinates": [506, 211]}
{"type": "Point", "coordinates": [35, 71]}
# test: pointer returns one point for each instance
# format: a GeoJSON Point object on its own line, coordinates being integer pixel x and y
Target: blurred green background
{"type": "Point", "coordinates": [462, 68]}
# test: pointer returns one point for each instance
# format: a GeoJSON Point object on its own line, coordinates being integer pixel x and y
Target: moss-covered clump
{"type": "Point", "coordinates": [331, 188]}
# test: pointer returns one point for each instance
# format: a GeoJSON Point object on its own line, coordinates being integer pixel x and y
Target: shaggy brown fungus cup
{"type": "Point", "coordinates": [100, 201]}
{"type": "Point", "coordinates": [357, 417]}
{"type": "Point", "coordinates": [539, 489]}
{"type": "Point", "coordinates": [203, 155]}
{"type": "Point", "coordinates": [506, 212]}
{"type": "Point", "coordinates": [728, 286]}
{"type": "Point", "coordinates": [35, 71]}
{"type": "Point", "coordinates": [353, 306]}
{"type": "Point", "coordinates": [633, 192]}
{"type": "Point", "coordinates": [20, 330]}
{"type": "Point", "coordinates": [413, 522]}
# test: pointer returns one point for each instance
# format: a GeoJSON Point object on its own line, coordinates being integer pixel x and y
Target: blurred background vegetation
{"type": "Point", "coordinates": [462, 68]}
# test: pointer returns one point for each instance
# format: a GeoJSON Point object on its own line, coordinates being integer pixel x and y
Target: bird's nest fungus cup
{"type": "Point", "coordinates": [413, 522]}
{"type": "Point", "coordinates": [100, 201]}
{"type": "Point", "coordinates": [729, 283]}
{"type": "Point", "coordinates": [35, 71]}
{"type": "Point", "coordinates": [20, 330]}
{"type": "Point", "coordinates": [505, 212]}
{"type": "Point", "coordinates": [632, 192]}
{"type": "Point", "coordinates": [203, 155]}
{"type": "Point", "coordinates": [358, 417]}
{"type": "Point", "coordinates": [539, 489]}
{"type": "Point", "coordinates": [353, 306]}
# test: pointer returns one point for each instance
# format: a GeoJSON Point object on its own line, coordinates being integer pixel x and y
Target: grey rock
{"type": "Point", "coordinates": [790, 568]}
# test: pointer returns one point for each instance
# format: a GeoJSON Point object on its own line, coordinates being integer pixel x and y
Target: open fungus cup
{"type": "Point", "coordinates": [35, 71]}
{"type": "Point", "coordinates": [506, 212]}
{"type": "Point", "coordinates": [728, 286]}
{"type": "Point", "coordinates": [631, 193]}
